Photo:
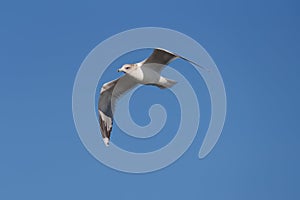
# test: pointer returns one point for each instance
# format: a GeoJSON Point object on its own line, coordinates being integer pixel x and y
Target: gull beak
{"type": "Point", "coordinates": [119, 70]}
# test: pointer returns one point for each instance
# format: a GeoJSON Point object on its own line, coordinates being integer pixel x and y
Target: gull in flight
{"type": "Point", "coordinates": [146, 72]}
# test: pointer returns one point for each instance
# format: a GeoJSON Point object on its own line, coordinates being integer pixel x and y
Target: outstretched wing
{"type": "Point", "coordinates": [161, 57]}
{"type": "Point", "coordinates": [109, 94]}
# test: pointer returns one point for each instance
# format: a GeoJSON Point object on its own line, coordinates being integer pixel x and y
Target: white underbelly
{"type": "Point", "coordinates": [145, 76]}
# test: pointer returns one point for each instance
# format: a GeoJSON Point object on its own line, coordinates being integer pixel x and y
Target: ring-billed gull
{"type": "Point", "coordinates": [146, 72]}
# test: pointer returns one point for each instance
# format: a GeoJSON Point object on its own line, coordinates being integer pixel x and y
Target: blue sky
{"type": "Point", "coordinates": [255, 45]}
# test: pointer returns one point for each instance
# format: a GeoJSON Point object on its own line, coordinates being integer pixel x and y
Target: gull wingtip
{"type": "Point", "coordinates": [106, 141]}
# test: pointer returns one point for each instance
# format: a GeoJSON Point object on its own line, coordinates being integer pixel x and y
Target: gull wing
{"type": "Point", "coordinates": [161, 57]}
{"type": "Point", "coordinates": [110, 92]}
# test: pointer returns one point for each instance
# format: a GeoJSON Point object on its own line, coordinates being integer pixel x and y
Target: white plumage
{"type": "Point", "coordinates": [146, 72]}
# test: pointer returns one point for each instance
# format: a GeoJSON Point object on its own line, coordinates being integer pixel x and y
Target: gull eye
{"type": "Point", "coordinates": [127, 68]}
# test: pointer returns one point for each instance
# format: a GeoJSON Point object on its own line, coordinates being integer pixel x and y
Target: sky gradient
{"type": "Point", "coordinates": [255, 45]}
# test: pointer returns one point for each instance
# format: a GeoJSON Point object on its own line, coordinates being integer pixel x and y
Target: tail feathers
{"type": "Point", "coordinates": [165, 83]}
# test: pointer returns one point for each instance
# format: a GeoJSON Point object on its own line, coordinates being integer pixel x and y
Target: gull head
{"type": "Point", "coordinates": [127, 68]}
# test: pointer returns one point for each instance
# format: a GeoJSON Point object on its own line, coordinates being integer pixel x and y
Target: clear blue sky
{"type": "Point", "coordinates": [256, 46]}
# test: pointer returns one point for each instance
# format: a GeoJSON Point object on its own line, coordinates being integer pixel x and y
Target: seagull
{"type": "Point", "coordinates": [146, 72]}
